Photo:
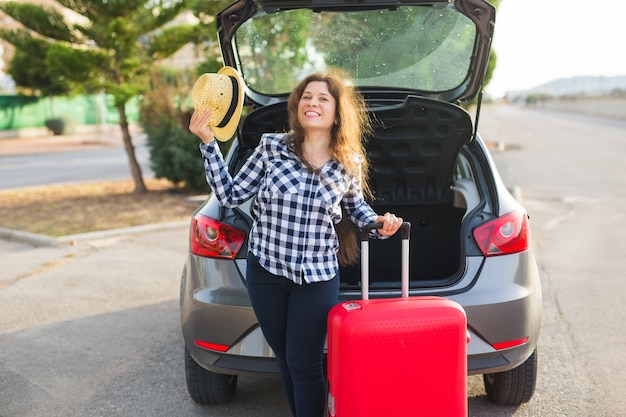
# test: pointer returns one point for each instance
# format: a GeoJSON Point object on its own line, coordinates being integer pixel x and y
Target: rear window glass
{"type": "Point", "coordinates": [423, 48]}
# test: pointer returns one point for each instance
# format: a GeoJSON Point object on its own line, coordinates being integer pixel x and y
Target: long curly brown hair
{"type": "Point", "coordinates": [347, 145]}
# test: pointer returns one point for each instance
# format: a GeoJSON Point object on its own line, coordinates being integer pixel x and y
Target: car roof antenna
{"type": "Point", "coordinates": [479, 102]}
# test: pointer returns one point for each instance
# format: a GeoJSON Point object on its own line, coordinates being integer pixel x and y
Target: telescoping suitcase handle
{"type": "Point", "coordinates": [405, 230]}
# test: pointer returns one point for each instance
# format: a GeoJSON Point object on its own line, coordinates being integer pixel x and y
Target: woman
{"type": "Point", "coordinates": [304, 182]}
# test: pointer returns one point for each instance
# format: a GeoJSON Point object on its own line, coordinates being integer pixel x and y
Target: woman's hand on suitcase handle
{"type": "Point", "coordinates": [390, 222]}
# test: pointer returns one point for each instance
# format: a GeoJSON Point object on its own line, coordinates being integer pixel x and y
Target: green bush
{"type": "Point", "coordinates": [174, 155]}
{"type": "Point", "coordinates": [61, 126]}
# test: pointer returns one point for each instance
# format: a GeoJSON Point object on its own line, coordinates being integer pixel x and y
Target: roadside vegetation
{"type": "Point", "coordinates": [63, 210]}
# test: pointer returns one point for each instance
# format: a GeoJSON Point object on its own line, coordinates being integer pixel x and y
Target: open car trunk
{"type": "Point", "coordinates": [412, 154]}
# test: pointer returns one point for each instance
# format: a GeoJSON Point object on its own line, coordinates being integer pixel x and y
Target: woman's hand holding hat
{"type": "Point", "coordinates": [199, 125]}
{"type": "Point", "coordinates": [223, 94]}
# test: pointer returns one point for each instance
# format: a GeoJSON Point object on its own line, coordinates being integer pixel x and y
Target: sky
{"type": "Point", "coordinates": [537, 41]}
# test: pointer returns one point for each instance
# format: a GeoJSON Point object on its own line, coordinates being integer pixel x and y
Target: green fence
{"type": "Point", "coordinates": [20, 112]}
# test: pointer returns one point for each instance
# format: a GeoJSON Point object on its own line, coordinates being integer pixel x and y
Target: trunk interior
{"type": "Point", "coordinates": [412, 157]}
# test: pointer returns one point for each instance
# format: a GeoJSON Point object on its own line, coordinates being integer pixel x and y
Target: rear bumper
{"type": "Point", "coordinates": [499, 309]}
{"type": "Point", "coordinates": [234, 363]}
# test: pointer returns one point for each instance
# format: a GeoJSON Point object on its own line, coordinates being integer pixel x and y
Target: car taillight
{"type": "Point", "coordinates": [504, 235]}
{"type": "Point", "coordinates": [213, 239]}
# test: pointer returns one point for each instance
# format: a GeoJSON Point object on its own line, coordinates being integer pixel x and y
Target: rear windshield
{"type": "Point", "coordinates": [424, 48]}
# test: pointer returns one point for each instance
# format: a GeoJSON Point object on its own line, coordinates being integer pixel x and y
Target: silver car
{"type": "Point", "coordinates": [414, 62]}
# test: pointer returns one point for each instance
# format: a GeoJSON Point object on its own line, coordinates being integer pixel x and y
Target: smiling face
{"type": "Point", "coordinates": [317, 107]}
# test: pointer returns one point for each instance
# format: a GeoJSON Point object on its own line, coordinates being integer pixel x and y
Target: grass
{"type": "Point", "coordinates": [63, 210]}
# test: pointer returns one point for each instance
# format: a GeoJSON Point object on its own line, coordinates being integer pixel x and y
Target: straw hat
{"type": "Point", "coordinates": [223, 94]}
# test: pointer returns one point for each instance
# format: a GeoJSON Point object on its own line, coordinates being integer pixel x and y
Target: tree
{"type": "Point", "coordinates": [110, 46]}
{"type": "Point", "coordinates": [28, 67]}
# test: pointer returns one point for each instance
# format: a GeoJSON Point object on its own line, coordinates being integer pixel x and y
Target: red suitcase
{"type": "Point", "coordinates": [396, 357]}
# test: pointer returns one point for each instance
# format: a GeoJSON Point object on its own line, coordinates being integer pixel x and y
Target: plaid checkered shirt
{"type": "Point", "coordinates": [295, 210]}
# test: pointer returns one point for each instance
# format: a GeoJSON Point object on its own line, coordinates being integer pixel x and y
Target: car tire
{"type": "Point", "coordinates": [208, 388]}
{"type": "Point", "coordinates": [515, 386]}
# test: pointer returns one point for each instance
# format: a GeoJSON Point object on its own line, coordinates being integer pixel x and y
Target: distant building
{"type": "Point", "coordinates": [7, 85]}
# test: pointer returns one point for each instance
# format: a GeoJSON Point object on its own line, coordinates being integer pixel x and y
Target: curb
{"type": "Point", "coordinates": [43, 240]}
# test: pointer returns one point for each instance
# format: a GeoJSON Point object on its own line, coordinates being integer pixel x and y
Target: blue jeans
{"type": "Point", "coordinates": [293, 319]}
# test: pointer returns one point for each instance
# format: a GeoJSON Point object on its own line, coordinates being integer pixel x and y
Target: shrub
{"type": "Point", "coordinates": [61, 126]}
{"type": "Point", "coordinates": [174, 153]}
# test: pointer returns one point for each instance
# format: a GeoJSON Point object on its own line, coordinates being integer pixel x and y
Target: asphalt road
{"type": "Point", "coordinates": [571, 172]}
{"type": "Point", "coordinates": [61, 160]}
{"type": "Point", "coordinates": [93, 329]}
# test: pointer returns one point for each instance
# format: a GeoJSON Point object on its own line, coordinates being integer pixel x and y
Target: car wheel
{"type": "Point", "coordinates": [207, 387]}
{"type": "Point", "coordinates": [515, 386]}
